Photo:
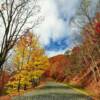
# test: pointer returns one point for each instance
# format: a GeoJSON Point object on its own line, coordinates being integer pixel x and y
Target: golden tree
{"type": "Point", "coordinates": [30, 62]}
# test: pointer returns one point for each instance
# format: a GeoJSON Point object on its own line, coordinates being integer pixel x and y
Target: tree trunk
{"type": "Point", "coordinates": [25, 87]}
{"type": "Point", "coordinates": [18, 89]}
{"type": "Point", "coordinates": [1, 65]}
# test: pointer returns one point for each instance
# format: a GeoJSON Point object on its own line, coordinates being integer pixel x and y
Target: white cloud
{"type": "Point", "coordinates": [54, 26]}
{"type": "Point", "coordinates": [54, 53]}
{"type": "Point", "coordinates": [68, 7]}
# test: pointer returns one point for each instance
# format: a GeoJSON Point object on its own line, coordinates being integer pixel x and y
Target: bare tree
{"type": "Point", "coordinates": [14, 16]}
{"type": "Point", "coordinates": [86, 17]}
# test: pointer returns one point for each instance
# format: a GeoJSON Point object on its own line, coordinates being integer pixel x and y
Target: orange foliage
{"type": "Point", "coordinates": [4, 79]}
{"type": "Point", "coordinates": [58, 65]}
{"type": "Point", "coordinates": [97, 28]}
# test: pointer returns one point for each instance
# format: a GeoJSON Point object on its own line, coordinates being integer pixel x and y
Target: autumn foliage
{"type": "Point", "coordinates": [4, 79]}
{"type": "Point", "coordinates": [81, 65]}
{"type": "Point", "coordinates": [97, 28]}
{"type": "Point", "coordinates": [59, 64]}
{"type": "Point", "coordinates": [89, 57]}
{"type": "Point", "coordinates": [30, 63]}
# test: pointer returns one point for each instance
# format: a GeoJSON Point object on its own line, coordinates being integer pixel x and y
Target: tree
{"type": "Point", "coordinates": [30, 62]}
{"type": "Point", "coordinates": [15, 16]}
{"type": "Point", "coordinates": [89, 29]}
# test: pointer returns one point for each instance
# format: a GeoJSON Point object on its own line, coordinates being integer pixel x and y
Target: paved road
{"type": "Point", "coordinates": [53, 91]}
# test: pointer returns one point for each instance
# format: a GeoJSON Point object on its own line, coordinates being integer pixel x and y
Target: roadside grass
{"type": "Point", "coordinates": [79, 89]}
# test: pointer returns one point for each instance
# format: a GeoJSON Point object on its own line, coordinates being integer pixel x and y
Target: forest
{"type": "Point", "coordinates": [30, 68]}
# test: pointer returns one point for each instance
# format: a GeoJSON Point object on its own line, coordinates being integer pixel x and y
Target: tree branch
{"type": "Point", "coordinates": [3, 18]}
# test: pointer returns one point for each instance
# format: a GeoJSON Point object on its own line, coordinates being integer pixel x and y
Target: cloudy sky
{"type": "Point", "coordinates": [56, 32]}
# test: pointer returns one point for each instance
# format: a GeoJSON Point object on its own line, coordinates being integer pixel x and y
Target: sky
{"type": "Point", "coordinates": [56, 33]}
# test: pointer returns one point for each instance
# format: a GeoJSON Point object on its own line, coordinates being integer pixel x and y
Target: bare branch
{"type": "Point", "coordinates": [18, 14]}
{"type": "Point", "coordinates": [3, 18]}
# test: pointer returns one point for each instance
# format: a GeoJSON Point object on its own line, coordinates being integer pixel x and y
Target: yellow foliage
{"type": "Point", "coordinates": [29, 60]}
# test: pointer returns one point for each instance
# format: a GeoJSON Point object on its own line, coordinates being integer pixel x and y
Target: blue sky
{"type": "Point", "coordinates": [61, 44]}
{"type": "Point", "coordinates": [57, 34]}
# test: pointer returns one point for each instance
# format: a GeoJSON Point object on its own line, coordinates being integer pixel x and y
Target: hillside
{"type": "Point", "coordinates": [61, 70]}
{"type": "Point", "coordinates": [58, 65]}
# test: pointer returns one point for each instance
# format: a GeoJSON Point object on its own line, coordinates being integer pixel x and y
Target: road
{"type": "Point", "coordinates": [53, 91]}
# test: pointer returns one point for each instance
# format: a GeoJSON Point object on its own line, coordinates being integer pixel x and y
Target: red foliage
{"type": "Point", "coordinates": [4, 79]}
{"type": "Point", "coordinates": [76, 50]}
{"type": "Point", "coordinates": [5, 98]}
{"type": "Point", "coordinates": [58, 66]}
{"type": "Point", "coordinates": [97, 28]}
{"type": "Point", "coordinates": [47, 73]}
{"type": "Point", "coordinates": [59, 58]}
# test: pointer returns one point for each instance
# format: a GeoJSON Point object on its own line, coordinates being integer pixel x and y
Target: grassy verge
{"type": "Point", "coordinates": [78, 89]}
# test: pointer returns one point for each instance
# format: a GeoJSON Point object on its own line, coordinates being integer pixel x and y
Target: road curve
{"type": "Point", "coordinates": [53, 91]}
